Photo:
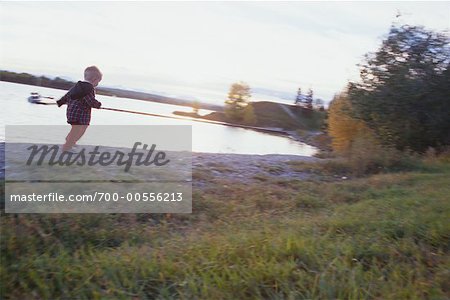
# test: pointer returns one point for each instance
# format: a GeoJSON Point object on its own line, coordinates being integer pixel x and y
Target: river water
{"type": "Point", "coordinates": [210, 138]}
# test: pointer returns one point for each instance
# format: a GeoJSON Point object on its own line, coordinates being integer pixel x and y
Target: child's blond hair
{"type": "Point", "coordinates": [92, 73]}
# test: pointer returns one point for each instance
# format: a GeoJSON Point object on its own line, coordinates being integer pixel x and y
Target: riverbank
{"type": "Point", "coordinates": [211, 168]}
{"type": "Point", "coordinates": [271, 115]}
{"type": "Point", "coordinates": [246, 168]}
{"type": "Point", "coordinates": [298, 123]}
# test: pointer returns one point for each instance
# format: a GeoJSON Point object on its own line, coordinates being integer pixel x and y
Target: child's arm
{"type": "Point", "coordinates": [63, 99]}
{"type": "Point", "coordinates": [91, 101]}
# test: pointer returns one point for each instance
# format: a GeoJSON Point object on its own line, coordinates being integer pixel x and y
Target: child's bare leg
{"type": "Point", "coordinates": [70, 138]}
{"type": "Point", "coordinates": [81, 129]}
{"type": "Point", "coordinates": [76, 132]}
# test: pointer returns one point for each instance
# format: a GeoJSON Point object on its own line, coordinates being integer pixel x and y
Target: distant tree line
{"type": "Point", "coordinates": [25, 78]}
{"type": "Point", "coordinates": [59, 83]}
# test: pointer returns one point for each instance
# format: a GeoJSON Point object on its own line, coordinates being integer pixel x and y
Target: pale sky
{"type": "Point", "coordinates": [197, 49]}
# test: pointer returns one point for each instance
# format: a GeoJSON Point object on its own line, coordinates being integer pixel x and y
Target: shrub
{"type": "Point", "coordinates": [366, 155]}
{"type": "Point", "coordinates": [343, 128]}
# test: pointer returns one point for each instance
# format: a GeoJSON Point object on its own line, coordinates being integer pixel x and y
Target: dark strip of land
{"type": "Point", "coordinates": [62, 84]}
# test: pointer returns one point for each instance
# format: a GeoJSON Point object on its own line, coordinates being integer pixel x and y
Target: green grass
{"type": "Point", "coordinates": [384, 236]}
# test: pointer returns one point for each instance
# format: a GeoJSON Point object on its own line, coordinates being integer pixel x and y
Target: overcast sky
{"type": "Point", "coordinates": [200, 48]}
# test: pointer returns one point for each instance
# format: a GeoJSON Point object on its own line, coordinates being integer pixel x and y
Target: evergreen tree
{"type": "Point", "coordinates": [299, 98]}
{"type": "Point", "coordinates": [309, 99]}
{"type": "Point", "coordinates": [404, 92]}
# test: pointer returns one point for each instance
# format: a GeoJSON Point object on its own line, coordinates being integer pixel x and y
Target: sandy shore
{"type": "Point", "coordinates": [231, 167]}
{"type": "Point", "coordinates": [242, 166]}
{"type": "Point", "coordinates": [207, 167]}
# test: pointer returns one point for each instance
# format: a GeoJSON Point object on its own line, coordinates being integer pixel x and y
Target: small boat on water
{"type": "Point", "coordinates": [36, 98]}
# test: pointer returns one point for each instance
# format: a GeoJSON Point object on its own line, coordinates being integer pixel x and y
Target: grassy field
{"type": "Point", "coordinates": [384, 236]}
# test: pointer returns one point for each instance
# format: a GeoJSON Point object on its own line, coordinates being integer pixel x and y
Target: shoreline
{"type": "Point", "coordinates": [312, 137]}
{"type": "Point", "coordinates": [245, 168]}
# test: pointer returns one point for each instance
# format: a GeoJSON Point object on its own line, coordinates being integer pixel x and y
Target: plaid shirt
{"type": "Point", "coordinates": [79, 110]}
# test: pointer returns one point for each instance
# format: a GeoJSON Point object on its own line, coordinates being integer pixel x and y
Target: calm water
{"type": "Point", "coordinates": [206, 137]}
